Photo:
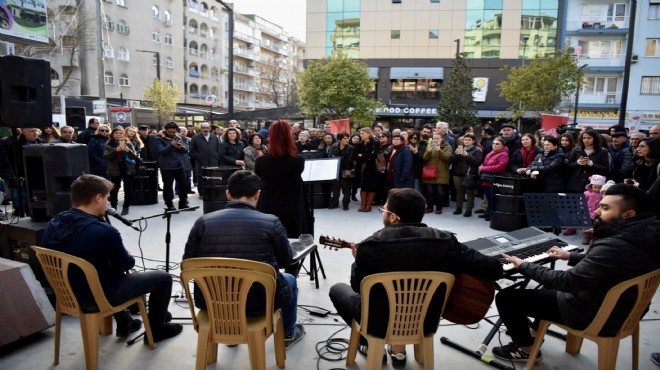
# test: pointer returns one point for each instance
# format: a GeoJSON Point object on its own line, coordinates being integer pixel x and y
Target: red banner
{"type": "Point", "coordinates": [550, 122]}
{"type": "Point", "coordinates": [339, 125]}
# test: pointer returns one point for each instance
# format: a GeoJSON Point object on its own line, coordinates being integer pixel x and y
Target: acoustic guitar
{"type": "Point", "coordinates": [469, 300]}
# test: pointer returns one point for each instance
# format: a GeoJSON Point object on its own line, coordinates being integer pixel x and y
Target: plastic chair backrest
{"type": "Point", "coordinates": [56, 268]}
{"type": "Point", "coordinates": [229, 263]}
{"type": "Point", "coordinates": [646, 287]}
{"type": "Point", "coordinates": [225, 291]}
{"type": "Point", "coordinates": [409, 295]}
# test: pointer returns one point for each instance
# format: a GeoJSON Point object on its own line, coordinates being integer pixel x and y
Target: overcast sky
{"type": "Point", "coordinates": [290, 14]}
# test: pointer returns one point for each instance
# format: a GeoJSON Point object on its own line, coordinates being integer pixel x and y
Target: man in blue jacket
{"type": "Point", "coordinates": [241, 231]}
{"type": "Point", "coordinates": [170, 151]}
{"type": "Point", "coordinates": [82, 232]}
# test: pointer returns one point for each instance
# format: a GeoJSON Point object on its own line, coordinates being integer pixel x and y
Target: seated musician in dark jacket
{"type": "Point", "coordinates": [625, 246]}
{"type": "Point", "coordinates": [406, 244]}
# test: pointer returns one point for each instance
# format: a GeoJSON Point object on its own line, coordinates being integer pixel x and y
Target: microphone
{"type": "Point", "coordinates": [113, 212]}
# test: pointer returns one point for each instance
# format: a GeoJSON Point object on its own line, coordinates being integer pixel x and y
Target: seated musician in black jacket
{"type": "Point", "coordinates": [405, 244]}
{"type": "Point", "coordinates": [625, 246]}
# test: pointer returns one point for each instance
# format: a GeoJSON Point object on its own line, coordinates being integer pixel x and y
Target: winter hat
{"type": "Point", "coordinates": [597, 180]}
{"type": "Point", "coordinates": [607, 185]}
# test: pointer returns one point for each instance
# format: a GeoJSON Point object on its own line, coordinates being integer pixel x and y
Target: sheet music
{"type": "Point", "coordinates": [326, 169]}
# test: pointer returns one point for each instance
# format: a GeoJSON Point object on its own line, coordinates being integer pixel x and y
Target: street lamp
{"type": "Point", "coordinates": [524, 39]}
{"type": "Point", "coordinates": [230, 46]}
{"type": "Point", "coordinates": [577, 93]}
{"type": "Point", "coordinates": [157, 61]}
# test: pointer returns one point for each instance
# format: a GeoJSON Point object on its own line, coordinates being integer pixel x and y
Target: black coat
{"type": "Point", "coordinates": [415, 247]}
{"type": "Point", "coordinates": [230, 153]}
{"type": "Point", "coordinates": [98, 165]}
{"type": "Point", "coordinates": [461, 164]}
{"type": "Point", "coordinates": [621, 250]}
{"type": "Point", "coordinates": [282, 194]}
{"type": "Point", "coordinates": [204, 153]}
{"type": "Point", "coordinates": [240, 231]}
{"type": "Point", "coordinates": [578, 176]}
{"type": "Point", "coordinates": [551, 177]}
{"type": "Point", "coordinates": [366, 157]}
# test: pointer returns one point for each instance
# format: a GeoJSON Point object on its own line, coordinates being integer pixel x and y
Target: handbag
{"type": "Point", "coordinates": [487, 177]}
{"type": "Point", "coordinates": [348, 174]}
{"type": "Point", "coordinates": [429, 172]}
{"type": "Point", "coordinates": [380, 162]}
{"type": "Point", "coordinates": [470, 181]}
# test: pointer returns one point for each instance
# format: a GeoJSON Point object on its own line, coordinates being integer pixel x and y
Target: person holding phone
{"type": "Point", "coordinates": [121, 157]}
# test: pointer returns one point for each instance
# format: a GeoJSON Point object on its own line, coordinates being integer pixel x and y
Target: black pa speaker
{"type": "Point", "coordinates": [75, 117]}
{"type": "Point", "coordinates": [49, 171]}
{"type": "Point", "coordinates": [25, 92]}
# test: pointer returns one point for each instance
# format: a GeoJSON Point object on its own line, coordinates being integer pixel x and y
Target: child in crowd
{"type": "Point", "coordinates": [594, 196]}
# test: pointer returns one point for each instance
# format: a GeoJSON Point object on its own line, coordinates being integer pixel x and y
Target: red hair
{"type": "Point", "coordinates": [281, 141]}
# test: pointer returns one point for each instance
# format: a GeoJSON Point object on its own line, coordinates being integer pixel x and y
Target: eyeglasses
{"type": "Point", "coordinates": [382, 210]}
{"type": "Point", "coordinates": [104, 130]}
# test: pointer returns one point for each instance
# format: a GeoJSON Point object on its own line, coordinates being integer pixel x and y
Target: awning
{"type": "Point", "coordinates": [411, 73]}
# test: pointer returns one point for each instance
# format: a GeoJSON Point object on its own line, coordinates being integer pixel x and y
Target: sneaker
{"type": "Point", "coordinates": [401, 356]}
{"type": "Point", "coordinates": [512, 352]}
{"type": "Point", "coordinates": [479, 211]}
{"type": "Point", "coordinates": [364, 349]}
{"type": "Point", "coordinates": [655, 357]}
{"type": "Point", "coordinates": [458, 211]}
{"type": "Point", "coordinates": [170, 208]}
{"type": "Point", "coordinates": [124, 330]}
{"type": "Point", "coordinates": [295, 337]}
{"type": "Point", "coordinates": [165, 331]}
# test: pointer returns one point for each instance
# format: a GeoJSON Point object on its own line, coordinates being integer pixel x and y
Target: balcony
{"type": "Point", "coordinates": [614, 25]}
{"type": "Point", "coordinates": [245, 70]}
{"type": "Point", "coordinates": [602, 60]}
{"type": "Point", "coordinates": [600, 98]}
{"type": "Point", "coordinates": [192, 51]}
{"type": "Point", "coordinates": [244, 53]}
{"type": "Point", "coordinates": [249, 104]}
{"type": "Point", "coordinates": [245, 37]}
{"type": "Point", "coordinates": [195, 74]}
{"type": "Point", "coordinates": [274, 47]}
{"type": "Point", "coordinates": [245, 87]}
{"type": "Point", "coordinates": [193, 30]}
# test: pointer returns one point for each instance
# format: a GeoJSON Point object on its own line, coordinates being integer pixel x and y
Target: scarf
{"type": "Point", "coordinates": [527, 156]}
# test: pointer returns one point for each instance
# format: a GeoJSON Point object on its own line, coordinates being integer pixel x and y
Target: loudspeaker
{"type": "Point", "coordinates": [75, 117]}
{"type": "Point", "coordinates": [25, 92]}
{"type": "Point", "coordinates": [49, 171]}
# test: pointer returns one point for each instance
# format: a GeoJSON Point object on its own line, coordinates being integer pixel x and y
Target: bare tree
{"type": "Point", "coordinates": [277, 84]}
{"type": "Point", "coordinates": [71, 32]}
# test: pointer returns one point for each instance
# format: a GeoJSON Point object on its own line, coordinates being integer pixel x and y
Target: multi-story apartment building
{"type": "Point", "coordinates": [410, 45]}
{"type": "Point", "coordinates": [599, 31]}
{"type": "Point", "coordinates": [185, 44]}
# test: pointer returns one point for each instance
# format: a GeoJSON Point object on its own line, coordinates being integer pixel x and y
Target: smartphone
{"type": "Point", "coordinates": [122, 142]}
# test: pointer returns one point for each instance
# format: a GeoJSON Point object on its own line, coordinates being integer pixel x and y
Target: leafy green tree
{"type": "Point", "coordinates": [541, 85]}
{"type": "Point", "coordinates": [163, 99]}
{"type": "Point", "coordinates": [337, 87]}
{"type": "Point", "coordinates": [456, 103]}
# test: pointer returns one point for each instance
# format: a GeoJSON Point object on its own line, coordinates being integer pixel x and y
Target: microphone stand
{"type": "Point", "coordinates": [168, 237]}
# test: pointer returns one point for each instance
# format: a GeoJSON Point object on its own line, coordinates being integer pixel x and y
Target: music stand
{"type": "Point", "coordinates": [321, 170]}
{"type": "Point", "coordinates": [557, 210]}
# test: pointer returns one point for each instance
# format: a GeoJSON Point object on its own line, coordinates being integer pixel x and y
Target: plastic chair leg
{"type": "Point", "coordinates": [280, 349]}
{"type": "Point", "coordinates": [147, 324]}
{"type": "Point", "coordinates": [375, 353]}
{"type": "Point", "coordinates": [89, 326]}
{"type": "Point", "coordinates": [419, 353]}
{"type": "Point", "coordinates": [540, 333]}
{"type": "Point", "coordinates": [105, 325]}
{"type": "Point", "coordinates": [428, 353]}
{"type": "Point", "coordinates": [573, 343]}
{"type": "Point", "coordinates": [211, 353]}
{"type": "Point", "coordinates": [58, 329]}
{"type": "Point", "coordinates": [257, 348]}
{"type": "Point", "coordinates": [635, 348]}
{"type": "Point", "coordinates": [353, 344]}
{"type": "Point", "coordinates": [202, 347]}
{"type": "Point", "coordinates": [608, 349]}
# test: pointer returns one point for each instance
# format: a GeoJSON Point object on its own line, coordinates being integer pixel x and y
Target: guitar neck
{"type": "Point", "coordinates": [334, 243]}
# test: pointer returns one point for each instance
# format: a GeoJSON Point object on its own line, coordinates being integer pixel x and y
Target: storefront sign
{"type": "Point", "coordinates": [407, 111]}
{"type": "Point", "coordinates": [480, 85]}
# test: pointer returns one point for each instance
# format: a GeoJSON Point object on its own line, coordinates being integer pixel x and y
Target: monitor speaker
{"type": "Point", "coordinates": [25, 92]}
{"type": "Point", "coordinates": [75, 117]}
{"type": "Point", "coordinates": [49, 171]}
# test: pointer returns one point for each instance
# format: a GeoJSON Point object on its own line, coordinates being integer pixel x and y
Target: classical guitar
{"type": "Point", "coordinates": [469, 300]}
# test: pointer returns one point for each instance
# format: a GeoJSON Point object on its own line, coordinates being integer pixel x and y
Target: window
{"type": "Point", "coordinates": [434, 34]}
{"type": "Point", "coordinates": [107, 51]}
{"type": "Point", "coordinates": [435, 1]}
{"type": "Point", "coordinates": [167, 18]}
{"type": "Point", "coordinates": [654, 11]}
{"type": "Point", "coordinates": [122, 54]}
{"type": "Point", "coordinates": [109, 78]}
{"type": "Point", "coordinates": [155, 12]}
{"type": "Point", "coordinates": [154, 60]}
{"type": "Point", "coordinates": [650, 85]}
{"type": "Point", "coordinates": [68, 41]}
{"type": "Point", "coordinates": [109, 25]}
{"type": "Point", "coordinates": [424, 89]}
{"type": "Point", "coordinates": [396, 1]}
{"type": "Point", "coordinates": [124, 81]}
{"type": "Point", "coordinates": [121, 3]}
{"type": "Point", "coordinates": [395, 34]}
{"type": "Point", "coordinates": [155, 36]}
{"type": "Point", "coordinates": [653, 47]}
{"type": "Point", "coordinates": [122, 27]}
{"type": "Point", "coordinates": [169, 63]}
{"type": "Point", "coordinates": [168, 39]}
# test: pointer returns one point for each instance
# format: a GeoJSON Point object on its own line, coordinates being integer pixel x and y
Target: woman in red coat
{"type": "Point", "coordinates": [496, 162]}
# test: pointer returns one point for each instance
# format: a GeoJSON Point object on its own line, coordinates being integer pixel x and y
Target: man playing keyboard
{"type": "Point", "coordinates": [624, 247]}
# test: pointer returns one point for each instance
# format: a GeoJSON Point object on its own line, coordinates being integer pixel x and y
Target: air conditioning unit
{"type": "Point", "coordinates": [6, 48]}
{"type": "Point", "coordinates": [634, 58]}
{"type": "Point", "coordinates": [133, 104]}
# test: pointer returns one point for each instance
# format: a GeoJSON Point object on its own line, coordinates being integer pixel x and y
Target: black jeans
{"type": "Point", "coordinates": [515, 305]}
{"type": "Point", "coordinates": [168, 186]}
{"type": "Point", "coordinates": [345, 186]}
{"type": "Point", "coordinates": [435, 195]}
{"type": "Point", "coordinates": [128, 189]}
{"type": "Point", "coordinates": [158, 284]}
{"type": "Point", "coordinates": [347, 303]}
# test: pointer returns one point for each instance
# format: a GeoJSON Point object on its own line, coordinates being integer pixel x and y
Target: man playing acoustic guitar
{"type": "Point", "coordinates": [406, 244]}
